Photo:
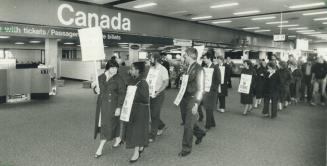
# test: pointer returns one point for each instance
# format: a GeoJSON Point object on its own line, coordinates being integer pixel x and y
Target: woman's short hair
{"type": "Point", "coordinates": [140, 66]}
{"type": "Point", "coordinates": [209, 56]}
{"type": "Point", "coordinates": [248, 62]}
{"type": "Point", "coordinates": [272, 65]}
{"type": "Point", "coordinates": [111, 63]}
{"type": "Point", "coordinates": [192, 52]}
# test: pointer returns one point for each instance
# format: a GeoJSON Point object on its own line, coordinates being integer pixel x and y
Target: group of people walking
{"type": "Point", "coordinates": [275, 82]}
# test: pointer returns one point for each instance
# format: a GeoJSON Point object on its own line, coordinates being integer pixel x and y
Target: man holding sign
{"type": "Point", "coordinates": [190, 102]}
{"type": "Point", "coordinates": [158, 80]}
{"type": "Point", "coordinates": [212, 81]}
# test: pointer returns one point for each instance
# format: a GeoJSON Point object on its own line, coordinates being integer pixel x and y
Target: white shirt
{"type": "Point", "coordinates": [163, 75]}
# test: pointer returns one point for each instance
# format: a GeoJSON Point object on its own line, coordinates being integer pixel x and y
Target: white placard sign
{"type": "Point", "coordinates": [200, 50]}
{"type": "Point", "coordinates": [245, 84]}
{"type": "Point", "coordinates": [222, 74]}
{"type": "Point", "coordinates": [208, 72]}
{"type": "Point", "coordinates": [182, 90]}
{"type": "Point", "coordinates": [128, 103]}
{"type": "Point", "coordinates": [151, 79]}
{"type": "Point", "coordinates": [91, 41]}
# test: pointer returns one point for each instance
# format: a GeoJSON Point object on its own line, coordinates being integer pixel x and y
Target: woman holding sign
{"type": "Point", "coordinates": [247, 98]}
{"type": "Point", "coordinates": [110, 100]}
{"type": "Point", "coordinates": [137, 129]}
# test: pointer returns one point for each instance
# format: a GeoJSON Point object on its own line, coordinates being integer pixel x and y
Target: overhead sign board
{"type": "Point", "coordinates": [182, 42]}
{"type": "Point", "coordinates": [280, 37]}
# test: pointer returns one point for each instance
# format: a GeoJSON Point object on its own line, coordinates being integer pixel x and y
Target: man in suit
{"type": "Point", "coordinates": [190, 102]}
{"type": "Point", "coordinates": [223, 90]}
{"type": "Point", "coordinates": [210, 97]}
{"type": "Point", "coordinates": [306, 84]}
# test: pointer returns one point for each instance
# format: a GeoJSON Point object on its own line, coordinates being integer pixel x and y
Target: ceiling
{"type": "Point", "coordinates": [188, 9]}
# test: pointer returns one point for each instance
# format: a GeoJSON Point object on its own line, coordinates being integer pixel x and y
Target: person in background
{"type": "Point", "coordinates": [111, 90]}
{"type": "Point", "coordinates": [223, 88]}
{"type": "Point", "coordinates": [296, 81]}
{"type": "Point", "coordinates": [230, 65]}
{"type": "Point", "coordinates": [165, 63]}
{"type": "Point", "coordinates": [247, 99]}
{"type": "Point", "coordinates": [285, 79]}
{"type": "Point", "coordinates": [210, 98]}
{"type": "Point", "coordinates": [137, 128]}
{"type": "Point", "coordinates": [259, 86]}
{"type": "Point", "coordinates": [306, 85]}
{"type": "Point", "coordinates": [191, 101]}
{"type": "Point", "coordinates": [319, 77]}
{"type": "Point", "coordinates": [156, 101]}
{"type": "Point", "coordinates": [271, 91]}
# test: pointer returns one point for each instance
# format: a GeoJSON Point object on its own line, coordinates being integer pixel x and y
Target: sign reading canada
{"type": "Point", "coordinates": [68, 16]}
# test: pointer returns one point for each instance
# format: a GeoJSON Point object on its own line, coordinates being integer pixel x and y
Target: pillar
{"type": "Point", "coordinates": [51, 54]}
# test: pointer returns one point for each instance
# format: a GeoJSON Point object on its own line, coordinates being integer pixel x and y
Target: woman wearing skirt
{"type": "Point", "coordinates": [112, 91]}
{"type": "Point", "coordinates": [247, 99]}
{"type": "Point", "coordinates": [137, 129]}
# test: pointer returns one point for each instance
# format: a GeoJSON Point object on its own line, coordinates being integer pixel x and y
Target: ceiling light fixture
{"type": "Point", "coordinates": [35, 41]}
{"type": "Point", "coordinates": [145, 5]}
{"type": "Point", "coordinates": [69, 43]}
{"type": "Point", "coordinates": [249, 28]}
{"type": "Point", "coordinates": [247, 12]}
{"type": "Point", "coordinates": [4, 37]}
{"type": "Point", "coordinates": [123, 43]}
{"type": "Point", "coordinates": [222, 22]}
{"type": "Point", "coordinates": [319, 19]}
{"type": "Point", "coordinates": [292, 36]}
{"type": "Point", "coordinates": [105, 46]}
{"type": "Point", "coordinates": [307, 5]}
{"type": "Point", "coordinates": [324, 23]}
{"type": "Point", "coordinates": [311, 33]}
{"type": "Point", "coordinates": [263, 18]}
{"type": "Point", "coordinates": [201, 17]}
{"type": "Point", "coordinates": [289, 25]}
{"type": "Point", "coordinates": [314, 13]}
{"type": "Point", "coordinates": [19, 43]}
{"type": "Point", "coordinates": [263, 30]}
{"type": "Point", "coordinates": [305, 31]}
{"type": "Point", "coordinates": [299, 28]}
{"type": "Point", "coordinates": [277, 22]}
{"type": "Point", "coordinates": [224, 5]}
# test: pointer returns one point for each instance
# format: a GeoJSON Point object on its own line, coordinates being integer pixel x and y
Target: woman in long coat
{"type": "Point", "coordinates": [137, 129]}
{"type": "Point", "coordinates": [110, 100]}
{"type": "Point", "coordinates": [247, 99]}
{"type": "Point", "coordinates": [285, 79]}
{"type": "Point", "coordinates": [261, 73]}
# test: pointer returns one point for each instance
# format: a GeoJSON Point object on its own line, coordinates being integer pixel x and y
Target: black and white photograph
{"type": "Point", "coordinates": [163, 82]}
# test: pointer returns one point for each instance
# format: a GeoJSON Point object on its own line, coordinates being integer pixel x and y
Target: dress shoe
{"type": "Point", "coordinates": [141, 151]}
{"type": "Point", "coordinates": [199, 139]}
{"type": "Point", "coordinates": [116, 146]}
{"type": "Point", "coordinates": [151, 140]}
{"type": "Point", "coordinates": [133, 161]}
{"type": "Point", "coordinates": [97, 156]}
{"type": "Point", "coordinates": [184, 153]}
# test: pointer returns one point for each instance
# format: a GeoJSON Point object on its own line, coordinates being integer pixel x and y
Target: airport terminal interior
{"type": "Point", "coordinates": [261, 99]}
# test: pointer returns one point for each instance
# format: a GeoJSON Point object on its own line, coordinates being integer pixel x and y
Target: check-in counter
{"type": "Point", "coordinates": [35, 83]}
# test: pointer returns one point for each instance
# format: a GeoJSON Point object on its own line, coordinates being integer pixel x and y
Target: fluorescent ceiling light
{"type": "Point", "coordinates": [78, 45]}
{"type": "Point", "coordinates": [201, 17]}
{"type": "Point", "coordinates": [305, 31]}
{"type": "Point", "coordinates": [319, 19]}
{"type": "Point", "coordinates": [263, 30]}
{"type": "Point", "coordinates": [69, 43]}
{"type": "Point", "coordinates": [19, 43]}
{"type": "Point", "coordinates": [221, 22]}
{"type": "Point", "coordinates": [292, 36]}
{"type": "Point", "coordinates": [289, 25]}
{"type": "Point", "coordinates": [299, 28]}
{"type": "Point", "coordinates": [314, 13]}
{"type": "Point", "coordinates": [248, 28]}
{"type": "Point", "coordinates": [324, 23]}
{"type": "Point", "coordinates": [35, 41]}
{"type": "Point", "coordinates": [105, 46]}
{"type": "Point", "coordinates": [145, 5]}
{"type": "Point", "coordinates": [4, 37]}
{"type": "Point", "coordinates": [311, 33]}
{"type": "Point", "coordinates": [277, 22]}
{"type": "Point", "coordinates": [123, 43]}
{"type": "Point", "coordinates": [247, 12]}
{"type": "Point", "coordinates": [263, 18]}
{"type": "Point", "coordinates": [307, 5]}
{"type": "Point", "coordinates": [224, 5]}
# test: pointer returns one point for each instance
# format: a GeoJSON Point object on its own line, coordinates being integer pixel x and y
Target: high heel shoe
{"type": "Point", "coordinates": [97, 156]}
{"type": "Point", "coordinates": [120, 143]}
{"type": "Point", "coordinates": [133, 161]}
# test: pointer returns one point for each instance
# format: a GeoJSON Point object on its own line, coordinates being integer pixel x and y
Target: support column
{"type": "Point", "coordinates": [51, 54]}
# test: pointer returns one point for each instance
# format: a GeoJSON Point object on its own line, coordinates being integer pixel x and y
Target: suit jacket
{"type": "Point", "coordinates": [272, 85]}
{"type": "Point", "coordinates": [210, 98]}
{"type": "Point", "coordinates": [195, 85]}
{"type": "Point", "coordinates": [228, 74]}
{"type": "Point", "coordinates": [303, 69]}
